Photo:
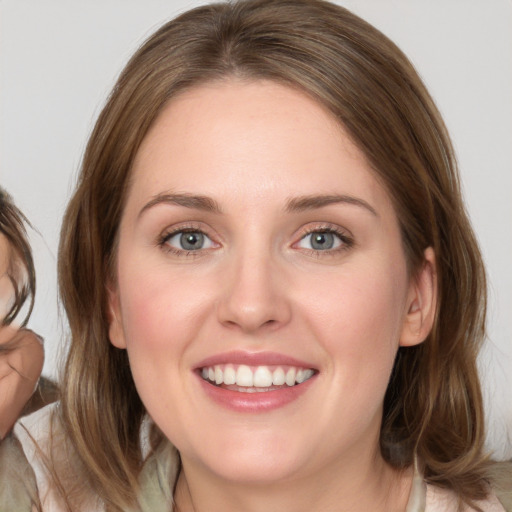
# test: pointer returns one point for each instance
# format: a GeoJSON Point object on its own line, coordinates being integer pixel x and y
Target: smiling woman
{"type": "Point", "coordinates": [275, 296]}
{"type": "Point", "coordinates": [281, 300]}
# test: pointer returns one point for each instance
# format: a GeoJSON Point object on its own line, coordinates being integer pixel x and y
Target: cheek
{"type": "Point", "coordinates": [157, 327]}
{"type": "Point", "coordinates": [358, 319]}
{"type": "Point", "coordinates": [162, 314]}
{"type": "Point", "coordinates": [158, 305]}
{"type": "Point", "coordinates": [6, 295]}
{"type": "Point", "coordinates": [358, 324]}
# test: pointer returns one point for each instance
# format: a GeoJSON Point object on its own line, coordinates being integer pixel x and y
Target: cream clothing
{"type": "Point", "coordinates": [423, 497]}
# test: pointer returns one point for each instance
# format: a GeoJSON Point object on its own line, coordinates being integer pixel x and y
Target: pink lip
{"type": "Point", "coordinates": [259, 401]}
{"type": "Point", "coordinates": [253, 359]}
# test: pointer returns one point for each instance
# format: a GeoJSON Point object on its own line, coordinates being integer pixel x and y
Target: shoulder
{"type": "Point", "coordinates": [18, 488]}
{"type": "Point", "coordinates": [50, 457]}
{"type": "Point", "coordinates": [443, 500]}
{"type": "Point", "coordinates": [36, 426]}
{"type": "Point", "coordinates": [20, 484]}
{"type": "Point", "coordinates": [34, 434]}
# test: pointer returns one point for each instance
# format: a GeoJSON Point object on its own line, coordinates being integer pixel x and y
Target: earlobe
{"type": "Point", "coordinates": [422, 302]}
{"type": "Point", "coordinates": [115, 324]}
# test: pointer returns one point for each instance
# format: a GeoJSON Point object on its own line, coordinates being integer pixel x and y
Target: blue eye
{"type": "Point", "coordinates": [188, 240]}
{"type": "Point", "coordinates": [321, 241]}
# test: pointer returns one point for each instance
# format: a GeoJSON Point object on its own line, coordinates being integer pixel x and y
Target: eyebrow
{"type": "Point", "coordinates": [302, 203]}
{"type": "Point", "coordinates": [194, 202]}
{"type": "Point", "coordinates": [296, 204]}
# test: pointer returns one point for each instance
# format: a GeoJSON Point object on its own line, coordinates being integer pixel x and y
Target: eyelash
{"type": "Point", "coordinates": [347, 242]}
{"type": "Point", "coordinates": [167, 235]}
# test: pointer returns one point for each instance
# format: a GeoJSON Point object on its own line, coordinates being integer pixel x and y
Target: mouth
{"type": "Point", "coordinates": [255, 379]}
{"type": "Point", "coordinates": [256, 382]}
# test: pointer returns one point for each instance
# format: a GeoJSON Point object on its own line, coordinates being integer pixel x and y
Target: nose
{"type": "Point", "coordinates": [254, 295]}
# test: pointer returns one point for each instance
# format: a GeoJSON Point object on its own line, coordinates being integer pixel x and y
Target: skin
{"type": "Point", "coordinates": [21, 355]}
{"type": "Point", "coordinates": [6, 289]}
{"type": "Point", "coordinates": [258, 285]}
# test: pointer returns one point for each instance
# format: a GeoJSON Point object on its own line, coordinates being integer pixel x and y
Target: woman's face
{"type": "Point", "coordinates": [262, 290]}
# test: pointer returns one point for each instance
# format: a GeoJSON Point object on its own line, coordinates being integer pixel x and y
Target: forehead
{"type": "Point", "coordinates": [257, 138]}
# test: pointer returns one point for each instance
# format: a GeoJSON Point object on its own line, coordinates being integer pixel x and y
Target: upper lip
{"type": "Point", "coordinates": [252, 359]}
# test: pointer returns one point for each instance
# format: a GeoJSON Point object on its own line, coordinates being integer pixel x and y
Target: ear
{"type": "Point", "coordinates": [421, 303]}
{"type": "Point", "coordinates": [115, 321]}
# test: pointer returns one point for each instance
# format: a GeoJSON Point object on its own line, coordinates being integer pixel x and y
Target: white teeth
{"type": "Point", "coordinates": [229, 375]}
{"type": "Point", "coordinates": [278, 377]}
{"type": "Point", "coordinates": [252, 380]}
{"type": "Point", "coordinates": [253, 390]}
{"type": "Point", "coordinates": [303, 375]}
{"type": "Point", "coordinates": [244, 376]}
{"type": "Point", "coordinates": [262, 377]}
{"type": "Point", "coordinates": [308, 374]}
{"type": "Point", "coordinates": [219, 377]}
{"type": "Point", "coordinates": [290, 377]}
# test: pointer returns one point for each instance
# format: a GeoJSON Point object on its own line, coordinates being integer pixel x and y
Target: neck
{"type": "Point", "coordinates": [353, 486]}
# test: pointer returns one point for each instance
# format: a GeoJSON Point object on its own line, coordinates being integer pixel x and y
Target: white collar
{"type": "Point", "coordinates": [418, 495]}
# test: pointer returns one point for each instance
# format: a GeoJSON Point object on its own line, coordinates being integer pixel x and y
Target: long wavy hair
{"type": "Point", "coordinates": [433, 405]}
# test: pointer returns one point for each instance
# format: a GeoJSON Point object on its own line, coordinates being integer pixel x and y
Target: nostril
{"type": "Point", "coordinates": [252, 304]}
{"type": "Point", "coordinates": [251, 324]}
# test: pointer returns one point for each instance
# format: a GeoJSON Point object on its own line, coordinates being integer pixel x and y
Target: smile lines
{"type": "Point", "coordinates": [263, 377]}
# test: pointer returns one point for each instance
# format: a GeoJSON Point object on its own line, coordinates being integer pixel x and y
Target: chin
{"type": "Point", "coordinates": [251, 459]}
{"type": "Point", "coordinates": [247, 469]}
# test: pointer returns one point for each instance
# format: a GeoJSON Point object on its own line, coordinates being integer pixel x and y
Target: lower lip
{"type": "Point", "coordinates": [258, 401]}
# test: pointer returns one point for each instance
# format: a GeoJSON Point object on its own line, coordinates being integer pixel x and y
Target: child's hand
{"type": "Point", "coordinates": [21, 362]}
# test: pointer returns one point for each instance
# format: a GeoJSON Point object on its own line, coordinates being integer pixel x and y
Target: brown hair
{"type": "Point", "coordinates": [433, 406]}
{"type": "Point", "coordinates": [21, 270]}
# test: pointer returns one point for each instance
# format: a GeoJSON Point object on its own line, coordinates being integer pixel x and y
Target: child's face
{"type": "Point", "coordinates": [21, 353]}
{"type": "Point", "coordinates": [257, 249]}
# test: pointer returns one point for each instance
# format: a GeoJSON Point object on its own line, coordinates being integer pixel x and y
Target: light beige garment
{"type": "Point", "coordinates": [18, 489]}
{"type": "Point", "coordinates": [441, 500]}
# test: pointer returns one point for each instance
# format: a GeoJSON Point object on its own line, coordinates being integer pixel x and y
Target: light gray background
{"type": "Point", "coordinates": [59, 58]}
